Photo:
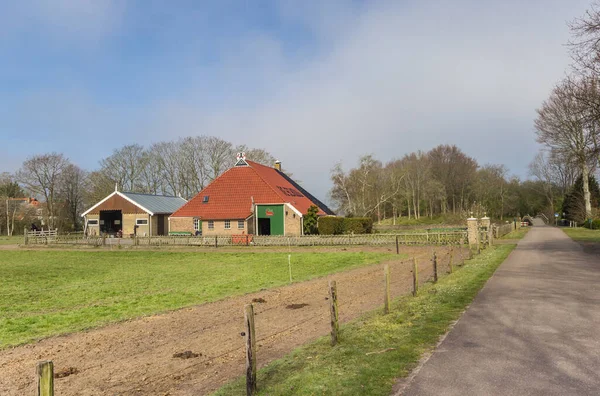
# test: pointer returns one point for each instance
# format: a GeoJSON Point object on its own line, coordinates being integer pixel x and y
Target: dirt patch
{"type": "Point", "coordinates": [136, 356]}
{"type": "Point", "coordinates": [66, 372]}
{"type": "Point", "coordinates": [186, 355]}
{"type": "Point", "coordinates": [259, 300]}
{"type": "Point", "coordinates": [296, 306]}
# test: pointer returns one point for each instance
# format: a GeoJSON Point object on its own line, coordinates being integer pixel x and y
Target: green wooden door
{"type": "Point", "coordinates": [275, 214]}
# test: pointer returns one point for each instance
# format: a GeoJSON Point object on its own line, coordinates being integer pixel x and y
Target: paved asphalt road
{"type": "Point", "coordinates": [533, 330]}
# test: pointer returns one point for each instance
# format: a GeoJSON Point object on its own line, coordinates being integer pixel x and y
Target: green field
{"type": "Point", "coordinates": [11, 240]}
{"type": "Point", "coordinates": [376, 349]}
{"type": "Point", "coordinates": [583, 234]}
{"type": "Point", "coordinates": [44, 293]}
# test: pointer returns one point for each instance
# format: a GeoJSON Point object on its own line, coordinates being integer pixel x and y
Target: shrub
{"type": "Point", "coordinates": [330, 225]}
{"type": "Point", "coordinates": [593, 224]}
{"type": "Point", "coordinates": [358, 225]}
{"type": "Point", "coordinates": [341, 225]}
{"type": "Point", "coordinates": [310, 221]}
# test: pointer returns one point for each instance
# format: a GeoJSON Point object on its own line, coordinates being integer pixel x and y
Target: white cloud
{"type": "Point", "coordinates": [393, 78]}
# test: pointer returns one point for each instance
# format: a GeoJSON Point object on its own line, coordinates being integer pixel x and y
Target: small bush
{"type": "Point", "coordinates": [358, 225]}
{"type": "Point", "coordinates": [593, 225]}
{"type": "Point", "coordinates": [345, 225]}
{"type": "Point", "coordinates": [330, 225]}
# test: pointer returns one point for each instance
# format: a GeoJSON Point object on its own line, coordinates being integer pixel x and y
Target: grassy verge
{"type": "Point", "coordinates": [44, 293]}
{"type": "Point", "coordinates": [518, 234]}
{"type": "Point", "coordinates": [583, 234]}
{"type": "Point", "coordinates": [412, 328]}
{"type": "Point", "coordinates": [11, 240]}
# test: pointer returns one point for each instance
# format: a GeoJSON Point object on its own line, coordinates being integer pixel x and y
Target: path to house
{"type": "Point", "coordinates": [533, 330]}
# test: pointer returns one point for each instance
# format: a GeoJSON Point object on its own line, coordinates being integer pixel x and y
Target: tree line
{"type": "Point", "coordinates": [568, 126]}
{"type": "Point", "coordinates": [181, 167]}
{"type": "Point", "coordinates": [442, 181]}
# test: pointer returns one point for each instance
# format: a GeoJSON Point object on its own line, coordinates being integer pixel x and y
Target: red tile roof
{"type": "Point", "coordinates": [230, 195]}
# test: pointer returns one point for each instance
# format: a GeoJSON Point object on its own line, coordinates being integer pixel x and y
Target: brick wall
{"type": "Point", "coordinates": [181, 224]}
{"type": "Point", "coordinates": [219, 228]}
{"type": "Point", "coordinates": [293, 223]}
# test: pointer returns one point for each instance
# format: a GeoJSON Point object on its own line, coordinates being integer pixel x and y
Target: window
{"type": "Point", "coordinates": [141, 222]}
{"type": "Point", "coordinates": [93, 222]}
{"type": "Point", "coordinates": [205, 199]}
{"type": "Point", "coordinates": [197, 225]}
{"type": "Point", "coordinates": [240, 224]}
{"type": "Point", "coordinates": [227, 224]}
{"type": "Point", "coordinates": [211, 225]}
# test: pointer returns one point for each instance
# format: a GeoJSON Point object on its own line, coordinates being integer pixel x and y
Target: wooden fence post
{"type": "Point", "coordinates": [26, 241]}
{"type": "Point", "coordinates": [386, 278]}
{"type": "Point", "coordinates": [451, 262]}
{"type": "Point", "coordinates": [478, 241]}
{"type": "Point", "coordinates": [216, 241]}
{"type": "Point", "coordinates": [250, 350]}
{"type": "Point", "coordinates": [397, 245]}
{"type": "Point", "coordinates": [435, 271]}
{"type": "Point", "coordinates": [45, 378]}
{"type": "Point", "coordinates": [415, 277]}
{"type": "Point", "coordinates": [335, 328]}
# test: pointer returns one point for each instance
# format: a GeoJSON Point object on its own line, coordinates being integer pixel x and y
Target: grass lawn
{"type": "Point", "coordinates": [518, 234]}
{"type": "Point", "coordinates": [11, 240]}
{"type": "Point", "coordinates": [412, 328]}
{"type": "Point", "coordinates": [44, 293]}
{"type": "Point", "coordinates": [583, 234]}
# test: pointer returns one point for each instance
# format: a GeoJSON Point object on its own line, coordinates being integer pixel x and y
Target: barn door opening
{"type": "Point", "coordinates": [264, 226]}
{"type": "Point", "coordinates": [111, 221]}
{"type": "Point", "coordinates": [161, 225]}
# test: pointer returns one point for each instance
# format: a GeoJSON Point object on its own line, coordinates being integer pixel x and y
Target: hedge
{"type": "Point", "coordinates": [345, 225]}
{"type": "Point", "coordinates": [594, 224]}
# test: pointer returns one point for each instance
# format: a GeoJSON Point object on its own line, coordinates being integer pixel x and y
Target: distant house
{"type": "Point", "coordinates": [249, 198]}
{"type": "Point", "coordinates": [131, 214]}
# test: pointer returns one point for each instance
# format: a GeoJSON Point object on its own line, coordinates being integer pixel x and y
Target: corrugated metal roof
{"type": "Point", "coordinates": [157, 204]}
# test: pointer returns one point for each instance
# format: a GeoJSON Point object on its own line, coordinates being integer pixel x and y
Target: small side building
{"type": "Point", "coordinates": [249, 198]}
{"type": "Point", "coordinates": [131, 214]}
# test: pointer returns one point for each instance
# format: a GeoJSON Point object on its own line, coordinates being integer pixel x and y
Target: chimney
{"type": "Point", "coordinates": [278, 165]}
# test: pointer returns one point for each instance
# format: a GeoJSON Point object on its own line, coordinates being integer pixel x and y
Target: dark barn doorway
{"type": "Point", "coordinates": [264, 226]}
{"type": "Point", "coordinates": [161, 225]}
{"type": "Point", "coordinates": [111, 221]}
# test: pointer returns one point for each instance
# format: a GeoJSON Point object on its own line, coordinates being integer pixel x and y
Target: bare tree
{"type": "Point", "coordinates": [41, 174]}
{"type": "Point", "coordinates": [456, 171]}
{"type": "Point", "coordinates": [563, 125]}
{"type": "Point", "coordinates": [585, 45]}
{"type": "Point", "coordinates": [72, 187]}
{"type": "Point", "coordinates": [125, 166]}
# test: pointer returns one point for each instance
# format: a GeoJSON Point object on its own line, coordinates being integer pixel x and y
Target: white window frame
{"type": "Point", "coordinates": [197, 225]}
{"type": "Point", "coordinates": [241, 224]}
{"type": "Point", "coordinates": [93, 222]}
{"type": "Point", "coordinates": [211, 224]}
{"type": "Point", "coordinates": [144, 222]}
{"type": "Point", "coordinates": [228, 224]}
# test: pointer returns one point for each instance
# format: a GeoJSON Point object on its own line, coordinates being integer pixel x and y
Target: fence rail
{"type": "Point", "coordinates": [504, 229]}
{"type": "Point", "coordinates": [423, 238]}
{"type": "Point", "coordinates": [41, 236]}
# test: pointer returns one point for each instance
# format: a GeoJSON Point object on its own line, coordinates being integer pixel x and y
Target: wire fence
{"type": "Point", "coordinates": [357, 295]}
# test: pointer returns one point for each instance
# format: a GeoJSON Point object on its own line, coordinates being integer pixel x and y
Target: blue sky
{"type": "Point", "coordinates": [312, 82]}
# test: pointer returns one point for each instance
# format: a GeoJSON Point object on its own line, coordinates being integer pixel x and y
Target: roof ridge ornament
{"type": "Point", "coordinates": [241, 159]}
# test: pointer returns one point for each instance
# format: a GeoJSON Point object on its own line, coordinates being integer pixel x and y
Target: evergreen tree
{"type": "Point", "coordinates": [310, 221]}
{"type": "Point", "coordinates": [574, 204]}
